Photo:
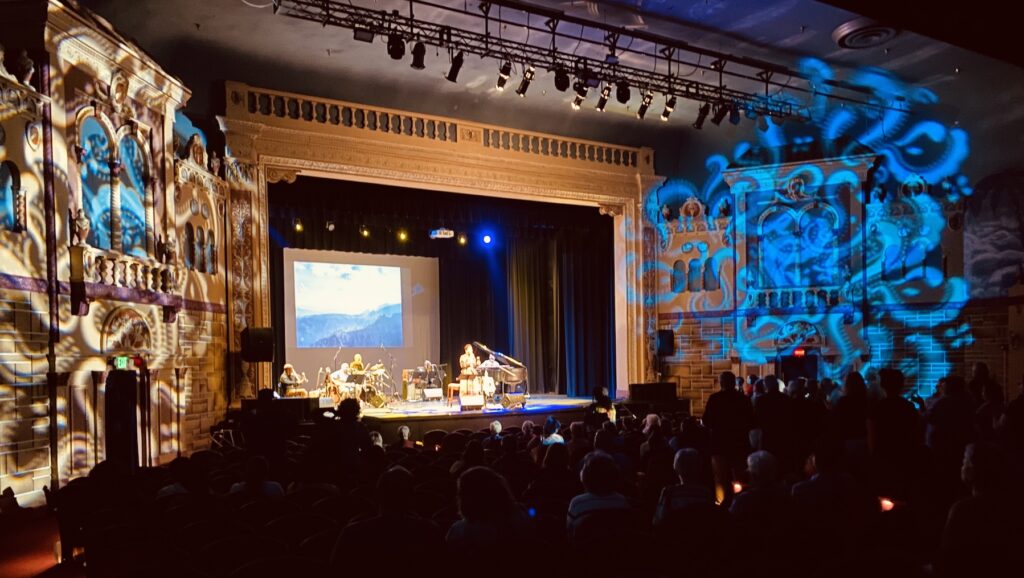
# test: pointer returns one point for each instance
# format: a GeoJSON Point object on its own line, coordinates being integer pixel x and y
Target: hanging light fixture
{"type": "Point", "coordinates": [602, 101]}
{"type": "Point", "coordinates": [503, 73]}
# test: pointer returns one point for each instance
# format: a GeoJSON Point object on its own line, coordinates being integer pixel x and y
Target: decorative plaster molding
{"type": "Point", "coordinates": [277, 175]}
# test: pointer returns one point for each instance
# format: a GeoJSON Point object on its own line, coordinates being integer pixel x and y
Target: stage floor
{"type": "Point", "coordinates": [423, 416]}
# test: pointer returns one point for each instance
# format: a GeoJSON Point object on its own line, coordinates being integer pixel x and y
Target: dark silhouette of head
{"type": "Point", "coordinates": [484, 496]}
{"type": "Point", "coordinates": [557, 457]}
{"type": "Point", "coordinates": [551, 426]}
{"type": "Point", "coordinates": [395, 490]}
{"type": "Point", "coordinates": [727, 381]}
{"type": "Point", "coordinates": [984, 468]}
{"type": "Point", "coordinates": [771, 384]}
{"type": "Point", "coordinates": [348, 410]}
{"type": "Point", "coordinates": [981, 371]}
{"type": "Point", "coordinates": [473, 455]}
{"type": "Point", "coordinates": [604, 440]}
{"type": "Point", "coordinates": [855, 386]}
{"type": "Point", "coordinates": [600, 475]}
{"type": "Point", "coordinates": [955, 385]}
{"type": "Point", "coordinates": [687, 465]}
{"type": "Point", "coordinates": [891, 381]}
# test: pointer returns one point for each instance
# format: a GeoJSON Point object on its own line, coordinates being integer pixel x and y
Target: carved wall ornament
{"type": "Point", "coordinates": [610, 210]}
{"type": "Point", "coordinates": [798, 333]}
{"type": "Point", "coordinates": [118, 90]}
{"type": "Point", "coordinates": [80, 232]}
{"type": "Point", "coordinates": [277, 175]}
{"type": "Point", "coordinates": [126, 330]}
{"type": "Point", "coordinates": [196, 151]}
{"type": "Point", "coordinates": [796, 189]}
{"type": "Point", "coordinates": [34, 135]}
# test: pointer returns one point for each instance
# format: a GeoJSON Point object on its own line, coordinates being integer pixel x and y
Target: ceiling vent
{"type": "Point", "coordinates": [861, 33]}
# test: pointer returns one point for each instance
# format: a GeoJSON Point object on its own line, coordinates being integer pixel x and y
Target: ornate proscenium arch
{"type": "Point", "coordinates": [274, 136]}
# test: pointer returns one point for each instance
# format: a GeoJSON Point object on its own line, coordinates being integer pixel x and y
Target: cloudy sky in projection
{"type": "Point", "coordinates": [348, 289]}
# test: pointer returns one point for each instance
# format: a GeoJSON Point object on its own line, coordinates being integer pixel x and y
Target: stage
{"type": "Point", "coordinates": [423, 416]}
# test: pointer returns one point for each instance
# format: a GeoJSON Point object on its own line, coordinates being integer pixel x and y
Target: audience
{"type": "Point", "coordinates": [830, 487]}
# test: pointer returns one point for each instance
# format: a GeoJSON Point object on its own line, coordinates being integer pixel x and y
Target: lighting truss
{"type": "Point", "coordinates": [661, 57]}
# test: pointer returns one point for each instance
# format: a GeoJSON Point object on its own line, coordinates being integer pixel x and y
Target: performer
{"type": "Point", "coordinates": [340, 376]}
{"type": "Point", "coordinates": [357, 363]}
{"type": "Point", "coordinates": [468, 362]}
{"type": "Point", "coordinates": [290, 379]}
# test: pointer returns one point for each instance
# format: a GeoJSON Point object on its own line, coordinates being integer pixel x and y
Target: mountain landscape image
{"type": "Point", "coordinates": [343, 305]}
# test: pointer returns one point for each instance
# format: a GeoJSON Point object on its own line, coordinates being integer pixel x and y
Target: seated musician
{"type": "Point", "coordinates": [341, 376]}
{"type": "Point", "coordinates": [357, 363]}
{"type": "Point", "coordinates": [468, 362]}
{"type": "Point", "coordinates": [289, 378]}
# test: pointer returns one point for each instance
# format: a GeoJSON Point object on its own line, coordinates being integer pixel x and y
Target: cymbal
{"type": "Point", "coordinates": [376, 367]}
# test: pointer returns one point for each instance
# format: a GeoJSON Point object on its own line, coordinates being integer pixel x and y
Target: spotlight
{"type": "Point", "coordinates": [561, 79]}
{"type": "Point", "coordinates": [364, 232]}
{"type": "Point", "coordinates": [453, 71]}
{"type": "Point", "coordinates": [603, 100]}
{"type": "Point", "coordinates": [762, 123]}
{"type": "Point", "coordinates": [524, 84]}
{"type": "Point", "coordinates": [645, 104]}
{"type": "Point", "coordinates": [734, 114]}
{"type": "Point", "coordinates": [403, 236]}
{"type": "Point", "coordinates": [418, 52]}
{"type": "Point", "coordinates": [297, 224]}
{"type": "Point", "coordinates": [487, 239]}
{"type": "Point", "coordinates": [670, 105]}
{"type": "Point", "coordinates": [396, 46]}
{"type": "Point", "coordinates": [750, 112]}
{"type": "Point", "coordinates": [329, 226]}
{"type": "Point", "coordinates": [581, 93]}
{"type": "Point", "coordinates": [720, 111]}
{"type": "Point", "coordinates": [503, 73]}
{"type": "Point", "coordinates": [462, 239]}
{"type": "Point", "coordinates": [362, 34]}
{"type": "Point", "coordinates": [622, 91]}
{"type": "Point", "coordinates": [702, 114]}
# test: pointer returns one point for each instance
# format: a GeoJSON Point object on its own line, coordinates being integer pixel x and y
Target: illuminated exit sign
{"type": "Point", "coordinates": [121, 362]}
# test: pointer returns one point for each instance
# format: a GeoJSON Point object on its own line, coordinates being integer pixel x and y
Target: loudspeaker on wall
{"type": "Point", "coordinates": [666, 343]}
{"type": "Point", "coordinates": [258, 344]}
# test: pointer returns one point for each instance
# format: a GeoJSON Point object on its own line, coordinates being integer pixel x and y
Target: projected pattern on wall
{"type": "Point", "coordinates": [841, 236]}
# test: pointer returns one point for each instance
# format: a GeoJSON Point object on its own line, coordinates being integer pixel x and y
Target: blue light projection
{"type": "Point", "coordinates": [133, 194]}
{"type": "Point", "coordinates": [843, 233]}
{"type": "Point", "coordinates": [95, 174]}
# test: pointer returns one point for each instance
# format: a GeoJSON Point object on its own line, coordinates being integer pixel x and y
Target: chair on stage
{"type": "Point", "coordinates": [453, 391]}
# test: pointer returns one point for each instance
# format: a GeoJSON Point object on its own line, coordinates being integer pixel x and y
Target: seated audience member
{"type": "Point", "coordinates": [404, 439]}
{"type": "Point", "coordinates": [578, 444]}
{"type": "Point", "coordinates": [187, 479]}
{"type": "Point", "coordinates": [765, 500]}
{"type": "Point", "coordinates": [493, 439]}
{"type": "Point", "coordinates": [984, 530]}
{"type": "Point", "coordinates": [255, 483]}
{"type": "Point", "coordinates": [555, 484]}
{"type": "Point", "coordinates": [377, 439]}
{"type": "Point", "coordinates": [604, 441]}
{"type": "Point", "coordinates": [527, 435]}
{"type": "Point", "coordinates": [362, 545]}
{"type": "Point", "coordinates": [515, 466]}
{"type": "Point", "coordinates": [601, 482]}
{"type": "Point", "coordinates": [551, 435]}
{"type": "Point", "coordinates": [472, 456]}
{"type": "Point", "coordinates": [690, 492]}
{"type": "Point", "coordinates": [489, 514]}
{"type": "Point", "coordinates": [830, 502]}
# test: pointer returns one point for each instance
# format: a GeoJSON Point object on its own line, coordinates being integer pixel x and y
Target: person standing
{"type": "Point", "coordinates": [729, 415]}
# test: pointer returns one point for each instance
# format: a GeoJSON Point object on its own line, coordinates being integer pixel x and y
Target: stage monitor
{"type": "Point", "coordinates": [338, 304]}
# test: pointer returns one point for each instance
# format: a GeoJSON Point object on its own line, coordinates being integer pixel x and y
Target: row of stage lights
{"type": "Point", "coordinates": [401, 234]}
{"type": "Point", "coordinates": [396, 49]}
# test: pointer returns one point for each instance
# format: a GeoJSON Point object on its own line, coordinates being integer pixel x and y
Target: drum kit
{"type": "Point", "coordinates": [372, 386]}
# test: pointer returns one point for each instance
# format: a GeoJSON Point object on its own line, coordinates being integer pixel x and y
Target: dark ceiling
{"type": "Point", "coordinates": [205, 42]}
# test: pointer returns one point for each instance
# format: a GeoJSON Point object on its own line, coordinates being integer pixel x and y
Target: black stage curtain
{"type": "Point", "coordinates": [541, 292]}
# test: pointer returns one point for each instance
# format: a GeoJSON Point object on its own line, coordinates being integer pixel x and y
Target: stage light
{"type": "Point", "coordinates": [524, 84]}
{"type": "Point", "coordinates": [329, 226]}
{"type": "Point", "coordinates": [602, 101]}
{"type": "Point", "coordinates": [702, 114]}
{"type": "Point", "coordinates": [645, 103]}
{"type": "Point", "coordinates": [734, 114]}
{"type": "Point", "coordinates": [403, 236]}
{"type": "Point", "coordinates": [750, 112]}
{"type": "Point", "coordinates": [462, 239]}
{"type": "Point", "coordinates": [720, 111]}
{"type": "Point", "coordinates": [396, 46]}
{"type": "Point", "coordinates": [362, 34]}
{"type": "Point", "coordinates": [622, 92]}
{"type": "Point", "coordinates": [762, 123]}
{"type": "Point", "coordinates": [561, 79]}
{"type": "Point", "coordinates": [487, 239]}
{"type": "Point", "coordinates": [297, 225]}
{"type": "Point", "coordinates": [453, 70]}
{"type": "Point", "coordinates": [503, 73]}
{"type": "Point", "coordinates": [419, 50]}
{"type": "Point", "coordinates": [670, 105]}
{"type": "Point", "coordinates": [581, 89]}
{"type": "Point", "coordinates": [364, 232]}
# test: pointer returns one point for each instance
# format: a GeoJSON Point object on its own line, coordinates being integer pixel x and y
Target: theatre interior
{"type": "Point", "coordinates": [701, 287]}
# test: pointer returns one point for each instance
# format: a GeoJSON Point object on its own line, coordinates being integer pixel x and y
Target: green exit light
{"type": "Point", "coordinates": [121, 362]}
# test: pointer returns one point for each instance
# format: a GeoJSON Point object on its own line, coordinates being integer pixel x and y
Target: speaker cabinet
{"type": "Point", "coordinates": [258, 344]}
{"type": "Point", "coordinates": [666, 343]}
{"type": "Point", "coordinates": [471, 402]}
{"type": "Point", "coordinates": [510, 400]}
